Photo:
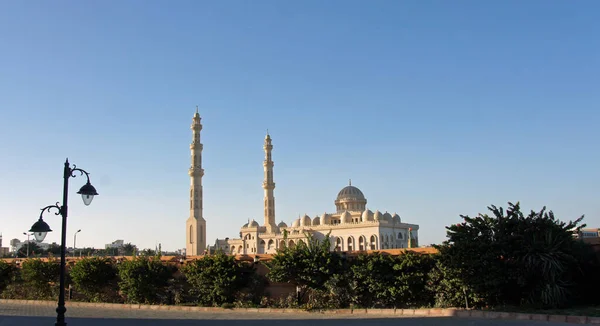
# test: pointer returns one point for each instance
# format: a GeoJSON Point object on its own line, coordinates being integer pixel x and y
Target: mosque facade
{"type": "Point", "coordinates": [351, 227]}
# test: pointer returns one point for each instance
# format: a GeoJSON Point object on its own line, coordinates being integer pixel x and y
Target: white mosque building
{"type": "Point", "coordinates": [352, 227]}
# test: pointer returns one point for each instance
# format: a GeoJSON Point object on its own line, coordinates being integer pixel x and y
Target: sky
{"type": "Point", "coordinates": [433, 108]}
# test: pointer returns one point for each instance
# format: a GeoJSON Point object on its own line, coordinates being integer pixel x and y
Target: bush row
{"type": "Point", "coordinates": [505, 259]}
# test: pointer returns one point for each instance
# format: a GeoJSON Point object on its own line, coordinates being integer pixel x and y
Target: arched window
{"type": "Point", "coordinates": [400, 236]}
{"type": "Point", "coordinates": [361, 243]}
{"type": "Point", "coordinates": [373, 242]}
{"type": "Point", "coordinates": [350, 244]}
{"type": "Point", "coordinates": [338, 244]}
{"type": "Point", "coordinates": [271, 245]}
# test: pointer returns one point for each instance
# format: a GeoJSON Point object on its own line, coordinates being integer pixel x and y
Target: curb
{"type": "Point", "coordinates": [432, 312]}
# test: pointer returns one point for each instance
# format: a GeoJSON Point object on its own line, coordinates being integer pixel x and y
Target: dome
{"type": "Point", "coordinates": [296, 223]}
{"type": "Point", "coordinates": [351, 199]}
{"type": "Point", "coordinates": [367, 215]}
{"type": "Point", "coordinates": [350, 192]}
{"type": "Point", "coordinates": [316, 221]}
{"type": "Point", "coordinates": [305, 221]}
{"type": "Point", "coordinates": [387, 216]}
{"type": "Point", "coordinates": [325, 219]}
{"type": "Point", "coordinates": [253, 224]}
{"type": "Point", "coordinates": [282, 224]}
{"type": "Point", "coordinates": [396, 219]}
{"type": "Point", "coordinates": [377, 216]}
{"type": "Point", "coordinates": [346, 217]}
{"type": "Point", "coordinates": [245, 226]}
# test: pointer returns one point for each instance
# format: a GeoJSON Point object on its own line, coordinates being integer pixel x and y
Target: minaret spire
{"type": "Point", "coordinates": [196, 224]}
{"type": "Point", "coordinates": [269, 186]}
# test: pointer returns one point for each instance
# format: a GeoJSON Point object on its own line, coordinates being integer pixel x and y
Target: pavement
{"type": "Point", "coordinates": [44, 315]}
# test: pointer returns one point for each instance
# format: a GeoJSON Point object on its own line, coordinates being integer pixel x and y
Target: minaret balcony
{"type": "Point", "coordinates": [268, 185]}
{"type": "Point", "coordinates": [196, 171]}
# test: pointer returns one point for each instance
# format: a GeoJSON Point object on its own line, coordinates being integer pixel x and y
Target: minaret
{"type": "Point", "coordinates": [269, 186]}
{"type": "Point", "coordinates": [195, 225]}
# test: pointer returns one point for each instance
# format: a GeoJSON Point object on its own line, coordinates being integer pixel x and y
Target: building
{"type": "Point", "coordinates": [195, 226]}
{"type": "Point", "coordinates": [15, 244]}
{"type": "Point", "coordinates": [589, 233]}
{"type": "Point", "coordinates": [115, 244]}
{"type": "Point", "coordinates": [352, 227]}
{"type": "Point", "coordinates": [3, 250]}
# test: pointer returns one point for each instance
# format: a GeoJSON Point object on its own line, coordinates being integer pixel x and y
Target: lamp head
{"type": "Point", "coordinates": [87, 193]}
{"type": "Point", "coordinates": [40, 229]}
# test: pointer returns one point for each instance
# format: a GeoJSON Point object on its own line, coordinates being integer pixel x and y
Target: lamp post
{"type": "Point", "coordinates": [27, 234]}
{"type": "Point", "coordinates": [75, 241]}
{"type": "Point", "coordinates": [41, 228]}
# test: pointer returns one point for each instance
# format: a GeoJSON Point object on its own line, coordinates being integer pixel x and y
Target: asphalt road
{"type": "Point", "coordinates": [34, 315]}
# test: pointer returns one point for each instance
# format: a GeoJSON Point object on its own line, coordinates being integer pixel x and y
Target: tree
{"type": "Point", "coordinates": [34, 249]}
{"type": "Point", "coordinates": [216, 279]}
{"type": "Point", "coordinates": [510, 258]}
{"type": "Point", "coordinates": [307, 265]}
{"type": "Point", "coordinates": [148, 252]}
{"type": "Point", "coordinates": [128, 249]}
{"type": "Point", "coordinates": [53, 250]}
{"type": "Point", "coordinates": [93, 277]}
{"type": "Point", "coordinates": [86, 251]}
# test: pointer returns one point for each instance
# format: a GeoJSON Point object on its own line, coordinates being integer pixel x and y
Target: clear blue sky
{"type": "Point", "coordinates": [433, 108]}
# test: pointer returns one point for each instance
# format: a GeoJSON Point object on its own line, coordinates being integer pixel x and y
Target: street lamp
{"type": "Point", "coordinates": [41, 228]}
{"type": "Point", "coordinates": [27, 234]}
{"type": "Point", "coordinates": [75, 241]}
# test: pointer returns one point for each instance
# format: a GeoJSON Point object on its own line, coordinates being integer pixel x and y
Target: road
{"type": "Point", "coordinates": [42, 315]}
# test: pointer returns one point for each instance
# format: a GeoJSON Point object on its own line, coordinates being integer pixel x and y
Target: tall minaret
{"type": "Point", "coordinates": [269, 186]}
{"type": "Point", "coordinates": [195, 226]}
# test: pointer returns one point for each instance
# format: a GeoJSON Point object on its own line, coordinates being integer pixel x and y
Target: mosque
{"type": "Point", "coordinates": [352, 227]}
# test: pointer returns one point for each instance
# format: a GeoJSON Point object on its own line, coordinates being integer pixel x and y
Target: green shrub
{"type": "Point", "coordinates": [447, 287]}
{"type": "Point", "coordinates": [7, 274]}
{"type": "Point", "coordinates": [309, 265]}
{"type": "Point", "coordinates": [144, 280]}
{"type": "Point", "coordinates": [95, 278]}
{"type": "Point", "coordinates": [216, 279]}
{"type": "Point", "coordinates": [41, 278]}
{"type": "Point", "coordinates": [228, 305]}
{"type": "Point", "coordinates": [386, 281]}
